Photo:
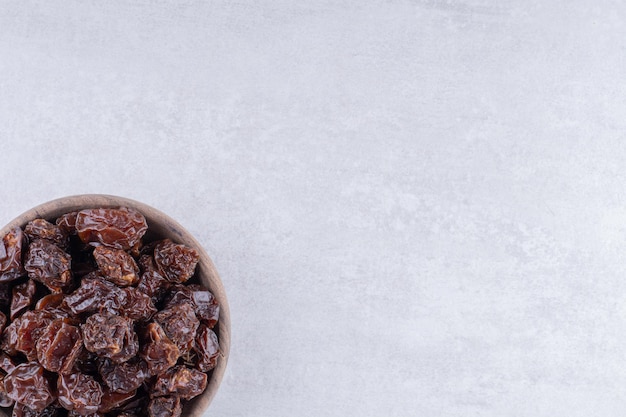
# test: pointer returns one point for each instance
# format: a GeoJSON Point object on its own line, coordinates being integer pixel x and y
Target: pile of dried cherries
{"type": "Point", "coordinates": [96, 322]}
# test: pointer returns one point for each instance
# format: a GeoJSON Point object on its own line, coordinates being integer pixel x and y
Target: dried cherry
{"type": "Point", "coordinates": [23, 297]}
{"type": "Point", "coordinates": [11, 255]}
{"type": "Point", "coordinates": [43, 229]}
{"type": "Point", "coordinates": [177, 262]}
{"type": "Point", "coordinates": [117, 266]}
{"type": "Point", "coordinates": [27, 384]}
{"type": "Point", "coordinates": [159, 352]}
{"type": "Point", "coordinates": [165, 407]}
{"type": "Point", "coordinates": [79, 392]}
{"type": "Point", "coordinates": [58, 346]}
{"type": "Point", "coordinates": [180, 381]}
{"type": "Point", "coordinates": [180, 324]}
{"type": "Point", "coordinates": [116, 228]}
{"type": "Point", "coordinates": [124, 377]}
{"type": "Point", "coordinates": [110, 336]}
{"type": "Point", "coordinates": [48, 264]}
{"type": "Point", "coordinates": [207, 348]}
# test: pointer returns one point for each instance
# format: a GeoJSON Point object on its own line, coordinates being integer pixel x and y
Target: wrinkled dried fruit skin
{"type": "Point", "coordinates": [58, 346]}
{"type": "Point", "coordinates": [11, 255]}
{"type": "Point", "coordinates": [20, 410]}
{"type": "Point", "coordinates": [125, 377]}
{"type": "Point", "coordinates": [180, 381]}
{"type": "Point", "coordinates": [110, 336]}
{"type": "Point", "coordinates": [27, 384]}
{"type": "Point", "coordinates": [116, 266]}
{"type": "Point", "coordinates": [22, 333]}
{"type": "Point", "coordinates": [159, 352]}
{"type": "Point", "coordinates": [79, 392]}
{"type": "Point", "coordinates": [116, 228]}
{"type": "Point", "coordinates": [23, 297]}
{"type": "Point", "coordinates": [207, 348]}
{"type": "Point", "coordinates": [3, 321]}
{"type": "Point", "coordinates": [67, 222]}
{"type": "Point", "coordinates": [87, 362]}
{"type": "Point", "coordinates": [180, 324]}
{"type": "Point", "coordinates": [49, 265]}
{"type": "Point", "coordinates": [6, 363]}
{"type": "Point", "coordinates": [75, 414]}
{"type": "Point", "coordinates": [202, 300]}
{"type": "Point", "coordinates": [137, 305]}
{"type": "Point", "coordinates": [5, 400]}
{"type": "Point", "coordinates": [113, 400]}
{"type": "Point", "coordinates": [96, 295]}
{"type": "Point", "coordinates": [42, 229]}
{"type": "Point", "coordinates": [165, 407]}
{"type": "Point", "coordinates": [152, 282]}
{"type": "Point", "coordinates": [176, 262]}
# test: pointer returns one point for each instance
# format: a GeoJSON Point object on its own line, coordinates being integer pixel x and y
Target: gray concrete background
{"type": "Point", "coordinates": [417, 207]}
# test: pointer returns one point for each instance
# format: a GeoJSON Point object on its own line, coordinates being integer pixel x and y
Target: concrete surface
{"type": "Point", "coordinates": [417, 207]}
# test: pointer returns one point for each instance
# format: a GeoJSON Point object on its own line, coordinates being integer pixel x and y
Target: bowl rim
{"type": "Point", "coordinates": [54, 208]}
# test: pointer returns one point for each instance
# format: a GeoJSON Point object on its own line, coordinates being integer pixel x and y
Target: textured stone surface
{"type": "Point", "coordinates": [417, 207]}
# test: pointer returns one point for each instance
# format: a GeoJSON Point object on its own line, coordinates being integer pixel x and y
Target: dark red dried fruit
{"type": "Point", "coordinates": [79, 392]}
{"type": "Point", "coordinates": [137, 305]}
{"type": "Point", "coordinates": [110, 336]}
{"type": "Point", "coordinates": [113, 400]}
{"type": "Point", "coordinates": [116, 228]}
{"type": "Point", "coordinates": [27, 384]}
{"type": "Point", "coordinates": [73, 413]}
{"type": "Point", "coordinates": [5, 400]}
{"type": "Point", "coordinates": [11, 255]}
{"type": "Point", "coordinates": [95, 295]}
{"type": "Point", "coordinates": [3, 321]}
{"type": "Point", "coordinates": [152, 282]}
{"type": "Point", "coordinates": [48, 264]}
{"type": "Point", "coordinates": [117, 266]}
{"type": "Point", "coordinates": [180, 324]}
{"type": "Point", "coordinates": [20, 410]}
{"type": "Point", "coordinates": [67, 222]}
{"type": "Point", "coordinates": [6, 363]}
{"type": "Point", "coordinates": [23, 297]}
{"type": "Point", "coordinates": [22, 334]}
{"type": "Point", "coordinates": [42, 229]}
{"type": "Point", "coordinates": [180, 381]}
{"type": "Point", "coordinates": [165, 407]}
{"type": "Point", "coordinates": [59, 346]}
{"type": "Point", "coordinates": [202, 300]}
{"type": "Point", "coordinates": [177, 262]}
{"type": "Point", "coordinates": [159, 352]}
{"type": "Point", "coordinates": [207, 348]}
{"type": "Point", "coordinates": [123, 377]}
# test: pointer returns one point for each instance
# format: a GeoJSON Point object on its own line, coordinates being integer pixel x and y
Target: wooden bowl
{"type": "Point", "coordinates": [160, 226]}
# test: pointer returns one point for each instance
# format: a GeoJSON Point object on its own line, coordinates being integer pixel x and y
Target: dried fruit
{"type": "Point", "coordinates": [110, 336]}
{"type": "Point", "coordinates": [59, 346]}
{"type": "Point", "coordinates": [123, 377]}
{"type": "Point", "coordinates": [165, 407]}
{"type": "Point", "coordinates": [43, 229]}
{"type": "Point", "coordinates": [181, 381]}
{"type": "Point", "coordinates": [207, 348]}
{"type": "Point", "coordinates": [27, 384]}
{"type": "Point", "coordinates": [180, 324]}
{"type": "Point", "coordinates": [116, 228]}
{"type": "Point", "coordinates": [11, 255]}
{"type": "Point", "coordinates": [159, 352]}
{"type": "Point", "coordinates": [79, 392]}
{"type": "Point", "coordinates": [117, 266]}
{"type": "Point", "coordinates": [81, 330]}
{"type": "Point", "coordinates": [48, 264]}
{"type": "Point", "coordinates": [23, 297]}
{"type": "Point", "coordinates": [177, 262]}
